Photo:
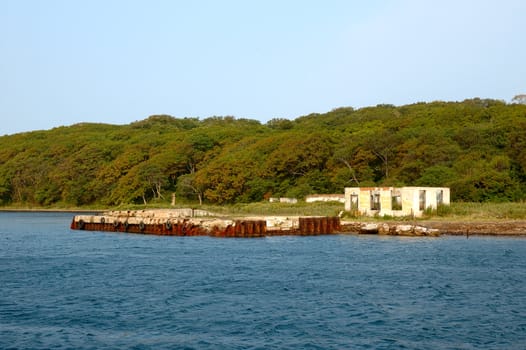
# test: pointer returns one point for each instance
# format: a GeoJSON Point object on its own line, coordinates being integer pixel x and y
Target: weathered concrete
{"type": "Point", "coordinates": [392, 229]}
{"type": "Point", "coordinates": [394, 201]}
{"type": "Point", "coordinates": [172, 222]}
{"type": "Point", "coordinates": [325, 198]}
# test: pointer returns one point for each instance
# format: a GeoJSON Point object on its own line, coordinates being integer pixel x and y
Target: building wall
{"type": "Point", "coordinates": [413, 200]}
{"type": "Point", "coordinates": [325, 198]}
{"type": "Point", "coordinates": [283, 200]}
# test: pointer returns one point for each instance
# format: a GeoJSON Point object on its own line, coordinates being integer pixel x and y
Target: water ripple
{"type": "Point", "coordinates": [70, 289]}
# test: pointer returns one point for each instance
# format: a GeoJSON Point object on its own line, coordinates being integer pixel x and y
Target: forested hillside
{"type": "Point", "coordinates": [477, 147]}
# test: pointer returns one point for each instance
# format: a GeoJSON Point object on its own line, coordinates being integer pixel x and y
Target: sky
{"type": "Point", "coordinates": [64, 62]}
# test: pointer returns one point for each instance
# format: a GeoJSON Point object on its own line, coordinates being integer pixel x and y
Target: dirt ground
{"type": "Point", "coordinates": [505, 228]}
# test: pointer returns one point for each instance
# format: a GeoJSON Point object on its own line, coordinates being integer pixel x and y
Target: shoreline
{"type": "Point", "coordinates": [26, 210]}
{"type": "Point", "coordinates": [456, 227]}
{"type": "Point", "coordinates": [515, 228]}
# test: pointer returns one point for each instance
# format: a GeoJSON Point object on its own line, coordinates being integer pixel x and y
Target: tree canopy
{"type": "Point", "coordinates": [476, 147]}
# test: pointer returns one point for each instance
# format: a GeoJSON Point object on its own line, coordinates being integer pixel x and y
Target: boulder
{"type": "Point", "coordinates": [384, 229]}
{"type": "Point", "coordinates": [369, 229]}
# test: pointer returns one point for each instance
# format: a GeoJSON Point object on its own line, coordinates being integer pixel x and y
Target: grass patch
{"type": "Point", "coordinates": [454, 212]}
{"type": "Point", "coordinates": [487, 211]}
{"type": "Point", "coordinates": [300, 208]}
{"type": "Point", "coordinates": [266, 208]}
{"type": "Point", "coordinates": [460, 211]}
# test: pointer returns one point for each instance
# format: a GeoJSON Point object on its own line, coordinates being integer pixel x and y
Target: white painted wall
{"type": "Point", "coordinates": [410, 199]}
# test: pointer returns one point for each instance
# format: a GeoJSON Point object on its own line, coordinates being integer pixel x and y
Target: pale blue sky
{"type": "Point", "coordinates": [117, 61]}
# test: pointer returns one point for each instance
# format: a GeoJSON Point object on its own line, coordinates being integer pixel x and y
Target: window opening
{"type": "Point", "coordinates": [354, 202]}
{"type": "Point", "coordinates": [375, 201]}
{"type": "Point", "coordinates": [422, 200]}
{"type": "Point", "coordinates": [440, 197]}
{"type": "Point", "coordinates": [396, 200]}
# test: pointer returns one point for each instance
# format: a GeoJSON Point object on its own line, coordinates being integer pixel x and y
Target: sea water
{"type": "Point", "coordinates": [65, 289]}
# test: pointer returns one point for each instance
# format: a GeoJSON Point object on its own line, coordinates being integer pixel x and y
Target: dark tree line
{"type": "Point", "coordinates": [477, 147]}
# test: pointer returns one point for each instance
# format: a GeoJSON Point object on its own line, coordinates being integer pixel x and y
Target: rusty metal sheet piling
{"type": "Point", "coordinates": [149, 223]}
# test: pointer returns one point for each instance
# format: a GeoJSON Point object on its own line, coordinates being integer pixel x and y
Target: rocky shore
{"type": "Point", "coordinates": [499, 227]}
{"type": "Point", "coordinates": [389, 229]}
{"type": "Point", "coordinates": [480, 228]}
{"type": "Point", "coordinates": [434, 228]}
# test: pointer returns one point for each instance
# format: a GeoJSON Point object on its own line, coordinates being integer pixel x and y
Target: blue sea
{"type": "Point", "coordinates": [64, 289]}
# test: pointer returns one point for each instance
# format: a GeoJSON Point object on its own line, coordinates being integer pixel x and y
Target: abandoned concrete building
{"type": "Point", "coordinates": [394, 201]}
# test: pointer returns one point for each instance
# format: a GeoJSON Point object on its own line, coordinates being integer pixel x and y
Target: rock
{"type": "Point", "coordinates": [419, 231]}
{"type": "Point", "coordinates": [384, 229]}
{"type": "Point", "coordinates": [369, 229]}
{"type": "Point", "coordinates": [404, 230]}
{"type": "Point", "coordinates": [433, 232]}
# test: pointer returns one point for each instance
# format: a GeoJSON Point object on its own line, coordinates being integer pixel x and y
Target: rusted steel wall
{"type": "Point", "coordinates": [319, 225]}
{"type": "Point", "coordinates": [179, 228]}
{"type": "Point", "coordinates": [238, 228]}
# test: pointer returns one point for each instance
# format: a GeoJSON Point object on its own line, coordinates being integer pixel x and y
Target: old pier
{"type": "Point", "coordinates": [191, 222]}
